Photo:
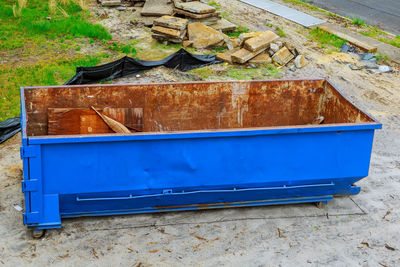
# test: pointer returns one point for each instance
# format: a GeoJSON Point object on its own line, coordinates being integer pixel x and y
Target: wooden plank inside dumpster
{"type": "Point", "coordinates": [63, 121]}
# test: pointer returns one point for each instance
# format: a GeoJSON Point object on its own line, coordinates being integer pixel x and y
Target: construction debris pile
{"type": "Point", "coordinates": [262, 48]}
{"type": "Point", "coordinates": [197, 24]}
{"type": "Point", "coordinates": [170, 29]}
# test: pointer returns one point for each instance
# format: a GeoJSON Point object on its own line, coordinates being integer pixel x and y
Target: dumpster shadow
{"type": "Point", "coordinates": [340, 206]}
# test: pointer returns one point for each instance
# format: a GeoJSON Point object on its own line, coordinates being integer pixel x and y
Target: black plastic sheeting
{"type": "Point", "coordinates": [182, 60]}
{"type": "Point", "coordinates": [9, 128]}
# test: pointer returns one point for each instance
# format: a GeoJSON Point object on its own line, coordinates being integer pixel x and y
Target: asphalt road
{"type": "Point", "coordinates": [382, 13]}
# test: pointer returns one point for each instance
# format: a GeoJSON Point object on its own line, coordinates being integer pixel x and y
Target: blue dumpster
{"type": "Point", "coordinates": [200, 145]}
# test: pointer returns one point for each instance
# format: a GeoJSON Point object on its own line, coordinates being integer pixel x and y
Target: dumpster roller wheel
{"type": "Point", "coordinates": [38, 233]}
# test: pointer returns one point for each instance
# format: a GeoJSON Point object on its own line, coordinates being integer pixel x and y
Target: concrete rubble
{"type": "Point", "coordinates": [195, 23]}
{"type": "Point", "coordinates": [168, 28]}
{"type": "Point", "coordinates": [262, 48]}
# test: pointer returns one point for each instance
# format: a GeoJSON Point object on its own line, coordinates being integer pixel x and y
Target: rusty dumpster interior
{"type": "Point", "coordinates": [66, 110]}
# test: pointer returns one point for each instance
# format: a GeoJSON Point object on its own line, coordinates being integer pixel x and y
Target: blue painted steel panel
{"type": "Point", "coordinates": [102, 174]}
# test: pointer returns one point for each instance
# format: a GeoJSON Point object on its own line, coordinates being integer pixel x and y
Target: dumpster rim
{"type": "Point", "coordinates": [208, 133]}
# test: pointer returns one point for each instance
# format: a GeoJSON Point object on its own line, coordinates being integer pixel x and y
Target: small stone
{"type": "Point", "coordinates": [103, 14]}
{"type": "Point", "coordinates": [121, 8]}
{"type": "Point", "coordinates": [271, 53]}
{"type": "Point", "coordinates": [292, 68]}
{"type": "Point", "coordinates": [274, 47]}
{"type": "Point", "coordinates": [187, 43]}
{"type": "Point", "coordinates": [48, 18]}
{"type": "Point", "coordinates": [300, 61]}
{"type": "Point", "coordinates": [235, 42]}
{"type": "Point", "coordinates": [279, 43]}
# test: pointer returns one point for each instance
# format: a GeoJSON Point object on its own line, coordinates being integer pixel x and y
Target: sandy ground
{"type": "Point", "coordinates": [363, 230]}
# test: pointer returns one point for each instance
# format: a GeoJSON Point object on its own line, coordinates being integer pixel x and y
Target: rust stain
{"type": "Point", "coordinates": [201, 105]}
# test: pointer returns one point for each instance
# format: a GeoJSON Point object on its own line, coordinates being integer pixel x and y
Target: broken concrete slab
{"type": "Point", "coordinates": [283, 56]}
{"type": "Point", "coordinates": [111, 3]}
{"type": "Point", "coordinates": [171, 22]}
{"type": "Point", "coordinates": [244, 55]}
{"type": "Point", "coordinates": [247, 35]}
{"type": "Point", "coordinates": [195, 16]}
{"type": "Point", "coordinates": [210, 21]}
{"type": "Point", "coordinates": [203, 36]}
{"type": "Point", "coordinates": [195, 7]}
{"type": "Point", "coordinates": [261, 41]}
{"type": "Point", "coordinates": [164, 38]}
{"type": "Point", "coordinates": [300, 61]}
{"type": "Point", "coordinates": [262, 58]}
{"type": "Point", "coordinates": [224, 25]}
{"type": "Point", "coordinates": [167, 31]}
{"type": "Point", "coordinates": [227, 56]}
{"type": "Point", "coordinates": [157, 8]}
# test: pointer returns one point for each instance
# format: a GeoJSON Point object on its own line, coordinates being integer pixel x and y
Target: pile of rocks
{"type": "Point", "coordinates": [197, 12]}
{"type": "Point", "coordinates": [168, 28]}
{"type": "Point", "coordinates": [261, 48]}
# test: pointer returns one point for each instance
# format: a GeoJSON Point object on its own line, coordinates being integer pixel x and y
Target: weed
{"type": "Point", "coordinates": [269, 25]}
{"type": "Point", "coordinates": [280, 32]}
{"type": "Point", "coordinates": [216, 5]}
{"type": "Point", "coordinates": [358, 21]}
{"type": "Point", "coordinates": [306, 5]}
{"type": "Point", "coordinates": [238, 31]}
{"type": "Point", "coordinates": [234, 72]}
{"type": "Point", "coordinates": [324, 38]}
{"type": "Point", "coordinates": [333, 15]}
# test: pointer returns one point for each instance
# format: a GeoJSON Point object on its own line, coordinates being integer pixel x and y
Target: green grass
{"type": "Point", "coordinates": [33, 26]}
{"type": "Point", "coordinates": [128, 49]}
{"type": "Point", "coordinates": [238, 31]}
{"type": "Point", "coordinates": [380, 35]}
{"type": "Point", "coordinates": [47, 73]}
{"type": "Point", "coordinates": [280, 32]}
{"type": "Point", "coordinates": [306, 5]}
{"type": "Point", "coordinates": [358, 21]}
{"type": "Point", "coordinates": [326, 39]}
{"type": "Point", "coordinates": [47, 51]}
{"type": "Point", "coordinates": [214, 4]}
{"type": "Point", "coordinates": [237, 72]}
